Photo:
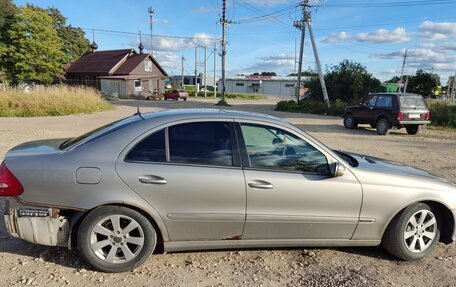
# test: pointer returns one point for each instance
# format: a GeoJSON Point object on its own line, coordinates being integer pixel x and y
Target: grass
{"type": "Point", "coordinates": [232, 96]}
{"type": "Point", "coordinates": [51, 101]}
{"type": "Point", "coordinates": [443, 115]}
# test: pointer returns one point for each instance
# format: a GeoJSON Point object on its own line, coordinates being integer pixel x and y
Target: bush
{"type": "Point", "coordinates": [443, 114]}
{"type": "Point", "coordinates": [312, 107]}
{"type": "Point", "coordinates": [51, 101]}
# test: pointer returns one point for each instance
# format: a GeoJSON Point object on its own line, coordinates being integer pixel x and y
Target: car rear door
{"type": "Point", "coordinates": [290, 192]}
{"type": "Point", "coordinates": [190, 174]}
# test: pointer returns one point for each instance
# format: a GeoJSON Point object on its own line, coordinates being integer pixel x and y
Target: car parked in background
{"type": "Point", "coordinates": [196, 179]}
{"type": "Point", "coordinates": [384, 111]}
{"type": "Point", "coordinates": [176, 95]}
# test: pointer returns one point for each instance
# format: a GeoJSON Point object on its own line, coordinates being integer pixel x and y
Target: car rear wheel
{"type": "Point", "coordinates": [185, 99]}
{"type": "Point", "coordinates": [382, 127]}
{"type": "Point", "coordinates": [176, 98]}
{"type": "Point", "coordinates": [116, 238]}
{"type": "Point", "coordinates": [350, 122]}
{"type": "Point", "coordinates": [413, 129]}
{"type": "Point", "coordinates": [413, 233]}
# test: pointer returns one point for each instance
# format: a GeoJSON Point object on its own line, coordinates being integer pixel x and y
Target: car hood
{"type": "Point", "coordinates": [376, 164]}
{"type": "Point", "coordinates": [39, 147]}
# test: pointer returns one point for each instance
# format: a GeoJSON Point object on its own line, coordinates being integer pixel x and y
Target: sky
{"type": "Point", "coordinates": [375, 33]}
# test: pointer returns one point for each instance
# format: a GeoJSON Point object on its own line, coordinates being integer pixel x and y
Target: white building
{"type": "Point", "coordinates": [267, 85]}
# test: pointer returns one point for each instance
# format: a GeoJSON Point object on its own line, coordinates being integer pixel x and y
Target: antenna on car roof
{"type": "Point", "coordinates": [138, 113]}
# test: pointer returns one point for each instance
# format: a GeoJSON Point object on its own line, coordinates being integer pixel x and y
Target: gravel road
{"type": "Point", "coordinates": [26, 264]}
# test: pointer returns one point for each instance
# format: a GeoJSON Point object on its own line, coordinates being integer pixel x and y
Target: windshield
{"type": "Point", "coordinates": [412, 101]}
{"type": "Point", "coordinates": [101, 131]}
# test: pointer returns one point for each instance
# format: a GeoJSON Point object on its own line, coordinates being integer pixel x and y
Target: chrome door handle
{"type": "Point", "coordinates": [260, 184]}
{"type": "Point", "coordinates": [152, 179]}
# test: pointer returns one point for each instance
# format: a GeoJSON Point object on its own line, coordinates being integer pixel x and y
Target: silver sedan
{"type": "Point", "coordinates": [215, 179]}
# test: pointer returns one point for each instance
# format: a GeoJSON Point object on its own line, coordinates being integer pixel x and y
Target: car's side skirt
{"type": "Point", "coordinates": [276, 243]}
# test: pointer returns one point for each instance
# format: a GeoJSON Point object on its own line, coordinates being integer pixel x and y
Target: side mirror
{"type": "Point", "coordinates": [337, 169]}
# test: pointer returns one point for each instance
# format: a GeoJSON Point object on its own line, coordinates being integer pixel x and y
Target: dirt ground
{"type": "Point", "coordinates": [22, 263]}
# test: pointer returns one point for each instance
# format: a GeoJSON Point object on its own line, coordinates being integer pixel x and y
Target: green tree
{"type": "Point", "coordinates": [74, 42]}
{"type": "Point", "coordinates": [423, 83]}
{"type": "Point", "coordinates": [348, 81]}
{"type": "Point", "coordinates": [7, 12]}
{"type": "Point", "coordinates": [35, 51]}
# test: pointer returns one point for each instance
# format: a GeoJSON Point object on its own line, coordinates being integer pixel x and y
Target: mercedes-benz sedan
{"type": "Point", "coordinates": [214, 179]}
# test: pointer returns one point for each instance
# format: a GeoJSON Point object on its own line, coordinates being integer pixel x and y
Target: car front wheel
{"type": "Point", "coordinates": [413, 233]}
{"type": "Point", "coordinates": [350, 122]}
{"type": "Point", "coordinates": [116, 238]}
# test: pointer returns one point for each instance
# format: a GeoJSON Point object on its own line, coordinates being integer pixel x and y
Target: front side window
{"type": "Point", "coordinates": [370, 102]}
{"type": "Point", "coordinates": [207, 143]}
{"type": "Point", "coordinates": [150, 149]}
{"type": "Point", "coordinates": [274, 148]}
{"type": "Point", "coordinates": [384, 101]}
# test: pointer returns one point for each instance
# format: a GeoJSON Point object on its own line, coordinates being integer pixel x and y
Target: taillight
{"type": "Point", "coordinates": [400, 116]}
{"type": "Point", "coordinates": [427, 116]}
{"type": "Point", "coordinates": [9, 185]}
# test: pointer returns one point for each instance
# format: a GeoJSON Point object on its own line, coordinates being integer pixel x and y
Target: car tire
{"type": "Point", "coordinates": [185, 99]}
{"type": "Point", "coordinates": [116, 238]}
{"type": "Point", "coordinates": [148, 98]}
{"type": "Point", "coordinates": [176, 98]}
{"type": "Point", "coordinates": [350, 122]}
{"type": "Point", "coordinates": [382, 127]}
{"type": "Point", "coordinates": [407, 232]}
{"type": "Point", "coordinates": [413, 129]}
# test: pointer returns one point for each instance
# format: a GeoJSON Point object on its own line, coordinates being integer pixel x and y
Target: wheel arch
{"type": "Point", "coordinates": [76, 219]}
{"type": "Point", "coordinates": [446, 216]}
{"type": "Point", "coordinates": [381, 116]}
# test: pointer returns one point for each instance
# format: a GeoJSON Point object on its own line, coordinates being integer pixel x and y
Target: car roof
{"type": "Point", "coordinates": [216, 113]}
{"type": "Point", "coordinates": [397, 94]}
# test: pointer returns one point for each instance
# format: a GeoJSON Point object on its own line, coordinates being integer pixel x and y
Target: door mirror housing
{"type": "Point", "coordinates": [337, 169]}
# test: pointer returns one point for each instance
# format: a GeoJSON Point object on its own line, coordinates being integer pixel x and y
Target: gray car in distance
{"type": "Point", "coordinates": [214, 179]}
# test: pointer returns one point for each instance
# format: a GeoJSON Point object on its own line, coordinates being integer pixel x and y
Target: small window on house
{"type": "Point", "coordinates": [289, 85]}
{"type": "Point", "coordinates": [240, 84]}
{"type": "Point", "coordinates": [255, 84]}
{"type": "Point", "coordinates": [138, 86]}
{"type": "Point", "coordinates": [147, 66]}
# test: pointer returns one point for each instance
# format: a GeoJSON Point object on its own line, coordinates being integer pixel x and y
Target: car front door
{"type": "Point", "coordinates": [191, 175]}
{"type": "Point", "coordinates": [290, 191]}
{"type": "Point", "coordinates": [365, 112]}
{"type": "Point", "coordinates": [384, 106]}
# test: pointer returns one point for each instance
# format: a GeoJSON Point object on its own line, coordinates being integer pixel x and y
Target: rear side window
{"type": "Point", "coordinates": [412, 101]}
{"type": "Point", "coordinates": [207, 143]}
{"type": "Point", "coordinates": [151, 149]}
{"type": "Point", "coordinates": [384, 101]}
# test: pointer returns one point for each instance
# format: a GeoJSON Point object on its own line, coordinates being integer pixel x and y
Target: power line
{"type": "Point", "coordinates": [389, 4]}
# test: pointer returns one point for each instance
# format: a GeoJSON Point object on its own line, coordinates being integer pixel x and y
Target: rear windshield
{"type": "Point", "coordinates": [412, 101]}
{"type": "Point", "coordinates": [101, 131]}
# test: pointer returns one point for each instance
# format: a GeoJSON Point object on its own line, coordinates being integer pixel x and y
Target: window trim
{"type": "Point", "coordinates": [233, 138]}
{"type": "Point", "coordinates": [246, 159]}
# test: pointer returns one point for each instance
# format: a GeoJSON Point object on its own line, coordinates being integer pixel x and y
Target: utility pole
{"type": "Point", "coordinates": [151, 18]}
{"type": "Point", "coordinates": [223, 21]}
{"type": "Point", "coordinates": [215, 70]}
{"type": "Point", "coordinates": [196, 71]}
{"type": "Point", "coordinates": [301, 24]}
{"type": "Point", "coordinates": [317, 60]}
{"type": "Point", "coordinates": [182, 72]}
{"type": "Point", "coordinates": [406, 84]}
{"type": "Point", "coordinates": [403, 65]}
{"type": "Point", "coordinates": [205, 69]}
{"type": "Point", "coordinates": [453, 91]}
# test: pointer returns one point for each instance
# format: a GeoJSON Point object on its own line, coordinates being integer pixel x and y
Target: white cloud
{"type": "Point", "coordinates": [160, 21]}
{"type": "Point", "coordinates": [398, 35]}
{"type": "Point", "coordinates": [174, 44]}
{"type": "Point", "coordinates": [437, 31]}
{"type": "Point", "coordinates": [202, 10]}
